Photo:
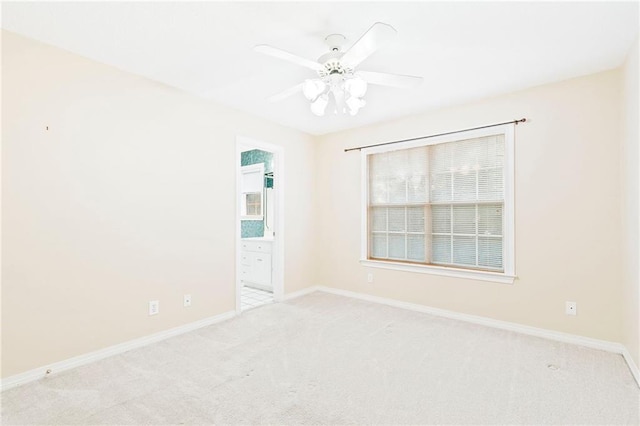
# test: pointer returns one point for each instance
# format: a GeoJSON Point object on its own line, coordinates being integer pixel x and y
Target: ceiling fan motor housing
{"type": "Point", "coordinates": [333, 67]}
{"type": "Point", "coordinates": [331, 60]}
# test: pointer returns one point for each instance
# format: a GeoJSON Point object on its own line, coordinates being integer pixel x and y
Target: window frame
{"type": "Point", "coordinates": [508, 250]}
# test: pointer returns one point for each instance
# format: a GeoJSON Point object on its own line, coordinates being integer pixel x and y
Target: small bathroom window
{"type": "Point", "coordinates": [253, 201]}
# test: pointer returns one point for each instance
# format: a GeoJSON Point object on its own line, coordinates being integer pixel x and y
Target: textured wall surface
{"type": "Point", "coordinates": [568, 234]}
{"type": "Point", "coordinates": [630, 163]}
{"type": "Point", "coordinates": [122, 200]}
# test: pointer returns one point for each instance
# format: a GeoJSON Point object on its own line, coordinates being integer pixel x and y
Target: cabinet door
{"type": "Point", "coordinates": [248, 266]}
{"type": "Point", "coordinates": [261, 268]}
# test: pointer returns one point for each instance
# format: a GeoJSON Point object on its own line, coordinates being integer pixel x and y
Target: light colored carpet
{"type": "Point", "coordinates": [326, 359]}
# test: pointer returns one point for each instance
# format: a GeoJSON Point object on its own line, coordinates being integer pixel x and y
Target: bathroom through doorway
{"type": "Point", "coordinates": [259, 224]}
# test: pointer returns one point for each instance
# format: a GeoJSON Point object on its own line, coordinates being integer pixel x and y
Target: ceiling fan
{"type": "Point", "coordinates": [337, 75]}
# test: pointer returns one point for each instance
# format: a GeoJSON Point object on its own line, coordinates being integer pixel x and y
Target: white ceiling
{"type": "Point", "coordinates": [464, 51]}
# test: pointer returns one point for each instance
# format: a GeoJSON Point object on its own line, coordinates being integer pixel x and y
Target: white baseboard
{"type": "Point", "coordinates": [604, 345]}
{"type": "Point", "coordinates": [300, 293]}
{"type": "Point", "coordinates": [38, 373]}
{"type": "Point", "coordinates": [633, 367]}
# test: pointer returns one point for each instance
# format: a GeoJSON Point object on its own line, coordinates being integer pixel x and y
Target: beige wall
{"type": "Point", "coordinates": [631, 196]}
{"type": "Point", "coordinates": [568, 233]}
{"type": "Point", "coordinates": [128, 197]}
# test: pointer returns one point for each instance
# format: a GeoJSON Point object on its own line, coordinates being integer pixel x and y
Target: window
{"type": "Point", "coordinates": [442, 206]}
{"type": "Point", "coordinates": [253, 202]}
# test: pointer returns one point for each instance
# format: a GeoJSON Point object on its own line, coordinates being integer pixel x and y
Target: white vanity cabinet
{"type": "Point", "coordinates": [255, 258]}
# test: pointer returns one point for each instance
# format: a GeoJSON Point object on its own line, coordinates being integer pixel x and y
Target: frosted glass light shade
{"type": "Point", "coordinates": [355, 104]}
{"type": "Point", "coordinates": [356, 87]}
{"type": "Point", "coordinates": [317, 92]}
{"type": "Point", "coordinates": [320, 105]}
{"type": "Point", "coordinates": [313, 88]}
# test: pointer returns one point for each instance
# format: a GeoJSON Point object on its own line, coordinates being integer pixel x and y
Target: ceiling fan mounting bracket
{"type": "Point", "coordinates": [335, 42]}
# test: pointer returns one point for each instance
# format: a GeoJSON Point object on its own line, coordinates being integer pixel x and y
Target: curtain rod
{"type": "Point", "coordinates": [358, 148]}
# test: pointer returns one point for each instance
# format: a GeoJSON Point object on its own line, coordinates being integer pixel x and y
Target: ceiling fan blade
{"type": "Point", "coordinates": [370, 41]}
{"type": "Point", "coordinates": [393, 80]}
{"type": "Point", "coordinates": [285, 93]}
{"type": "Point", "coordinates": [283, 54]}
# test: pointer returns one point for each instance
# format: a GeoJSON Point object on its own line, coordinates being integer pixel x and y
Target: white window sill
{"type": "Point", "coordinates": [497, 277]}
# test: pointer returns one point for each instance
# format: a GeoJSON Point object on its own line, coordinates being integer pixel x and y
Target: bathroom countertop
{"type": "Point", "coordinates": [258, 239]}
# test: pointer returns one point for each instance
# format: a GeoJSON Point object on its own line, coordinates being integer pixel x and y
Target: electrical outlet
{"type": "Point", "coordinates": [369, 277]}
{"type": "Point", "coordinates": [154, 307]}
{"type": "Point", "coordinates": [187, 300]}
{"type": "Point", "coordinates": [571, 308]}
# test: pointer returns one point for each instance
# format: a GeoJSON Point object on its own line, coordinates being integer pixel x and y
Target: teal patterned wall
{"type": "Point", "coordinates": [252, 228]}
{"type": "Point", "coordinates": [255, 228]}
{"type": "Point", "coordinates": [256, 156]}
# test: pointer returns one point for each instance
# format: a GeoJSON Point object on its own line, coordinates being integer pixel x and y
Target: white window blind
{"type": "Point", "coordinates": [439, 204]}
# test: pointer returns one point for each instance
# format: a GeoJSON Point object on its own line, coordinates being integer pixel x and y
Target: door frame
{"type": "Point", "coordinates": [244, 143]}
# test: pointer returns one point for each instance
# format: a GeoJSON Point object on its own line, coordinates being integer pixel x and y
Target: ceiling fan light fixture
{"type": "Point", "coordinates": [319, 106]}
{"type": "Point", "coordinates": [313, 88]}
{"type": "Point", "coordinates": [354, 104]}
{"type": "Point", "coordinates": [356, 87]}
{"type": "Point", "coordinates": [337, 73]}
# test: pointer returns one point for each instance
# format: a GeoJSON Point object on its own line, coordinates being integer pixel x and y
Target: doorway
{"type": "Point", "coordinates": [259, 223]}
